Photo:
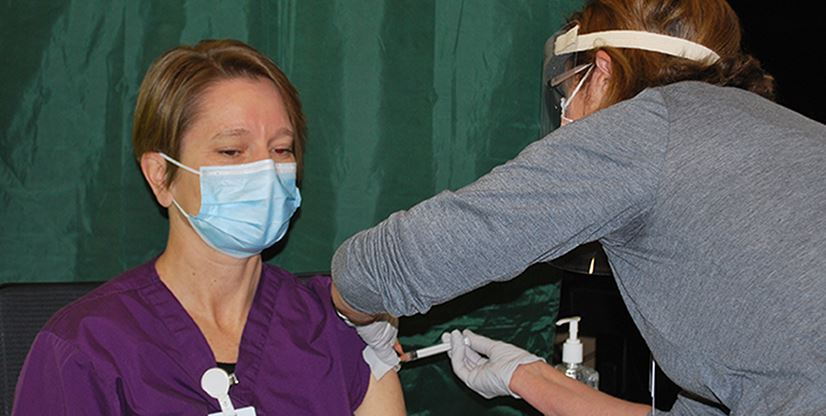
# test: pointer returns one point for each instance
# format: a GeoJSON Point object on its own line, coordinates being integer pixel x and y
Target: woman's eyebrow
{"type": "Point", "coordinates": [240, 131]}
{"type": "Point", "coordinates": [284, 131]}
{"type": "Point", "coordinates": [232, 132]}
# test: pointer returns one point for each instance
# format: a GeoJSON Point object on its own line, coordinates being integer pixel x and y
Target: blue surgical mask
{"type": "Point", "coordinates": [244, 208]}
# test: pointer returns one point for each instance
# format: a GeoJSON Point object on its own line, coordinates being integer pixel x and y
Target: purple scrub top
{"type": "Point", "coordinates": [129, 347]}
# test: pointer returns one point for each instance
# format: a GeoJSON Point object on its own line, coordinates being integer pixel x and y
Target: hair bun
{"type": "Point", "coordinates": [745, 71]}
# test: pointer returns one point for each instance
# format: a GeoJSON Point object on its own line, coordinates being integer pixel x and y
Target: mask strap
{"type": "Point", "coordinates": [180, 209]}
{"type": "Point", "coordinates": [567, 101]}
{"type": "Point", "coordinates": [184, 167]}
{"type": "Point", "coordinates": [178, 164]}
{"type": "Point", "coordinates": [580, 83]}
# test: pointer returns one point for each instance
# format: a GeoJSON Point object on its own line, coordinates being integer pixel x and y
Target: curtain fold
{"type": "Point", "coordinates": [403, 98]}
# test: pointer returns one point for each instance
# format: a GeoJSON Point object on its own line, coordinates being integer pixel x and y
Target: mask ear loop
{"type": "Point", "coordinates": [188, 169]}
{"type": "Point", "coordinates": [179, 164]}
{"type": "Point", "coordinates": [567, 101]}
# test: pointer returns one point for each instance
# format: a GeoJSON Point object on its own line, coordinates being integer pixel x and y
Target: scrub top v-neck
{"type": "Point", "coordinates": [129, 347]}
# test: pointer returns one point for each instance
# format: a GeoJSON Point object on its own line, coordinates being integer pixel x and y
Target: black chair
{"type": "Point", "coordinates": [24, 309]}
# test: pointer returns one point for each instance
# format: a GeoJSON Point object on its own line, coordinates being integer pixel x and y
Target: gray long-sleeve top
{"type": "Point", "coordinates": [710, 203]}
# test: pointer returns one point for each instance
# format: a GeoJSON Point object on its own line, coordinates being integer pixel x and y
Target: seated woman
{"type": "Point", "coordinates": [219, 134]}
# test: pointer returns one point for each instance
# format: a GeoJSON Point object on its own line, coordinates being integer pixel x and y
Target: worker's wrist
{"type": "Point", "coordinates": [526, 375]}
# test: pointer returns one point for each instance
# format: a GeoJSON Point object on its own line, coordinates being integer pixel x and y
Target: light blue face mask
{"type": "Point", "coordinates": [244, 208]}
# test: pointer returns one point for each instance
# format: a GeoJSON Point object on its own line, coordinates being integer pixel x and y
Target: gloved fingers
{"type": "Point", "coordinates": [388, 330]}
{"type": "Point", "coordinates": [381, 337]}
{"type": "Point", "coordinates": [378, 366]}
{"type": "Point", "coordinates": [446, 340]}
{"type": "Point", "coordinates": [378, 333]}
{"type": "Point", "coordinates": [479, 343]}
{"type": "Point", "coordinates": [472, 358]}
{"type": "Point", "coordinates": [480, 381]}
{"type": "Point", "coordinates": [457, 355]}
{"type": "Point", "coordinates": [389, 356]}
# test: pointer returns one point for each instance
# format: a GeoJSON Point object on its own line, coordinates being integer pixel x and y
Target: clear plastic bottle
{"type": "Point", "coordinates": [571, 364]}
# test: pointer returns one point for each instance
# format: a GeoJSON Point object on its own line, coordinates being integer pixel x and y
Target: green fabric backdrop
{"type": "Point", "coordinates": [403, 99]}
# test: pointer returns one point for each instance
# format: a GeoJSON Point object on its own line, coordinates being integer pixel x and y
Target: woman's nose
{"type": "Point", "coordinates": [260, 153]}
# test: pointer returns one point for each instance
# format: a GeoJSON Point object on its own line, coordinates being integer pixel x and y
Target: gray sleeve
{"type": "Point", "coordinates": [686, 405]}
{"type": "Point", "coordinates": [576, 185]}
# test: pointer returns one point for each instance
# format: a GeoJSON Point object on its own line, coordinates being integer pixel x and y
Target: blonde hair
{"type": "Point", "coordinates": [711, 23]}
{"type": "Point", "coordinates": [169, 95]}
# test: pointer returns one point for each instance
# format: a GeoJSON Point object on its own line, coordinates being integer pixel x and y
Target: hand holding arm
{"type": "Point", "coordinates": [380, 333]}
{"type": "Point", "coordinates": [381, 338]}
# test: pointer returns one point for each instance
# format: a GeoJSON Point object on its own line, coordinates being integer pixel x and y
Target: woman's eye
{"type": "Point", "coordinates": [282, 151]}
{"type": "Point", "coordinates": [230, 152]}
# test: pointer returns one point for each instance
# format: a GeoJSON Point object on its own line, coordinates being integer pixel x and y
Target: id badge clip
{"type": "Point", "coordinates": [216, 383]}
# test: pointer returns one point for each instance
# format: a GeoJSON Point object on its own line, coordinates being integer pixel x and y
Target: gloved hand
{"type": "Point", "coordinates": [489, 376]}
{"type": "Point", "coordinates": [380, 337]}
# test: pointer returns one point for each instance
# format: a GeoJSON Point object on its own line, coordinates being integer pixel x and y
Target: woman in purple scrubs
{"type": "Point", "coordinates": [219, 133]}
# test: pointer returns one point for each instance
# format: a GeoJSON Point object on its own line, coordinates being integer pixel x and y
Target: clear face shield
{"type": "Point", "coordinates": [563, 72]}
{"type": "Point", "coordinates": [560, 76]}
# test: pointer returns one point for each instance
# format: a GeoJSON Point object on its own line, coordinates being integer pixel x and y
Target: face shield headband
{"type": "Point", "coordinates": [561, 66]}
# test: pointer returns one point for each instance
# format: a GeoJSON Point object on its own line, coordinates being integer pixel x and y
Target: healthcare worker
{"type": "Point", "coordinates": [207, 327]}
{"type": "Point", "coordinates": [709, 199]}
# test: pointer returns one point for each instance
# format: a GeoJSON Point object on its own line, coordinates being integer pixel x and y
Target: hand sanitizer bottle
{"type": "Point", "coordinates": [572, 356]}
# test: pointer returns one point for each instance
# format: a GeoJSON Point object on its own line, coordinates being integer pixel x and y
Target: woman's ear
{"type": "Point", "coordinates": [602, 70]}
{"type": "Point", "coordinates": [600, 79]}
{"type": "Point", "coordinates": [153, 166]}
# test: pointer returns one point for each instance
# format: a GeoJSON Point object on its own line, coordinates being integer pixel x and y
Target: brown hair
{"type": "Point", "coordinates": [711, 23]}
{"type": "Point", "coordinates": [170, 92]}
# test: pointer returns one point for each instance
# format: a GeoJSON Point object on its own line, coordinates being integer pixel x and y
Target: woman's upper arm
{"type": "Point", "coordinates": [383, 397]}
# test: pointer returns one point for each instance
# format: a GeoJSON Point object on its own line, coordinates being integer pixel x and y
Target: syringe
{"type": "Point", "coordinates": [430, 351]}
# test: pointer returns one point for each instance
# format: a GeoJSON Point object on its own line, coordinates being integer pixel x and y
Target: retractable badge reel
{"type": "Point", "coordinates": [216, 382]}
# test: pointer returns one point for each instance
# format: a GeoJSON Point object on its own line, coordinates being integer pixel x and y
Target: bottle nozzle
{"type": "Point", "coordinates": [573, 326]}
{"type": "Point", "coordinates": [572, 348]}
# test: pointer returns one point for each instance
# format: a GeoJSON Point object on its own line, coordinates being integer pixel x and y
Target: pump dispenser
{"type": "Point", "coordinates": [572, 355]}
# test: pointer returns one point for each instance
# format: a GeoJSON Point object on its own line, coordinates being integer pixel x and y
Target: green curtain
{"type": "Point", "coordinates": [404, 98]}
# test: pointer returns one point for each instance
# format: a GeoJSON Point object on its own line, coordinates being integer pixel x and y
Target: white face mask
{"type": "Point", "coordinates": [565, 102]}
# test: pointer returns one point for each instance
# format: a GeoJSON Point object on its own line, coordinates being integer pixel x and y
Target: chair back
{"type": "Point", "coordinates": [24, 309]}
